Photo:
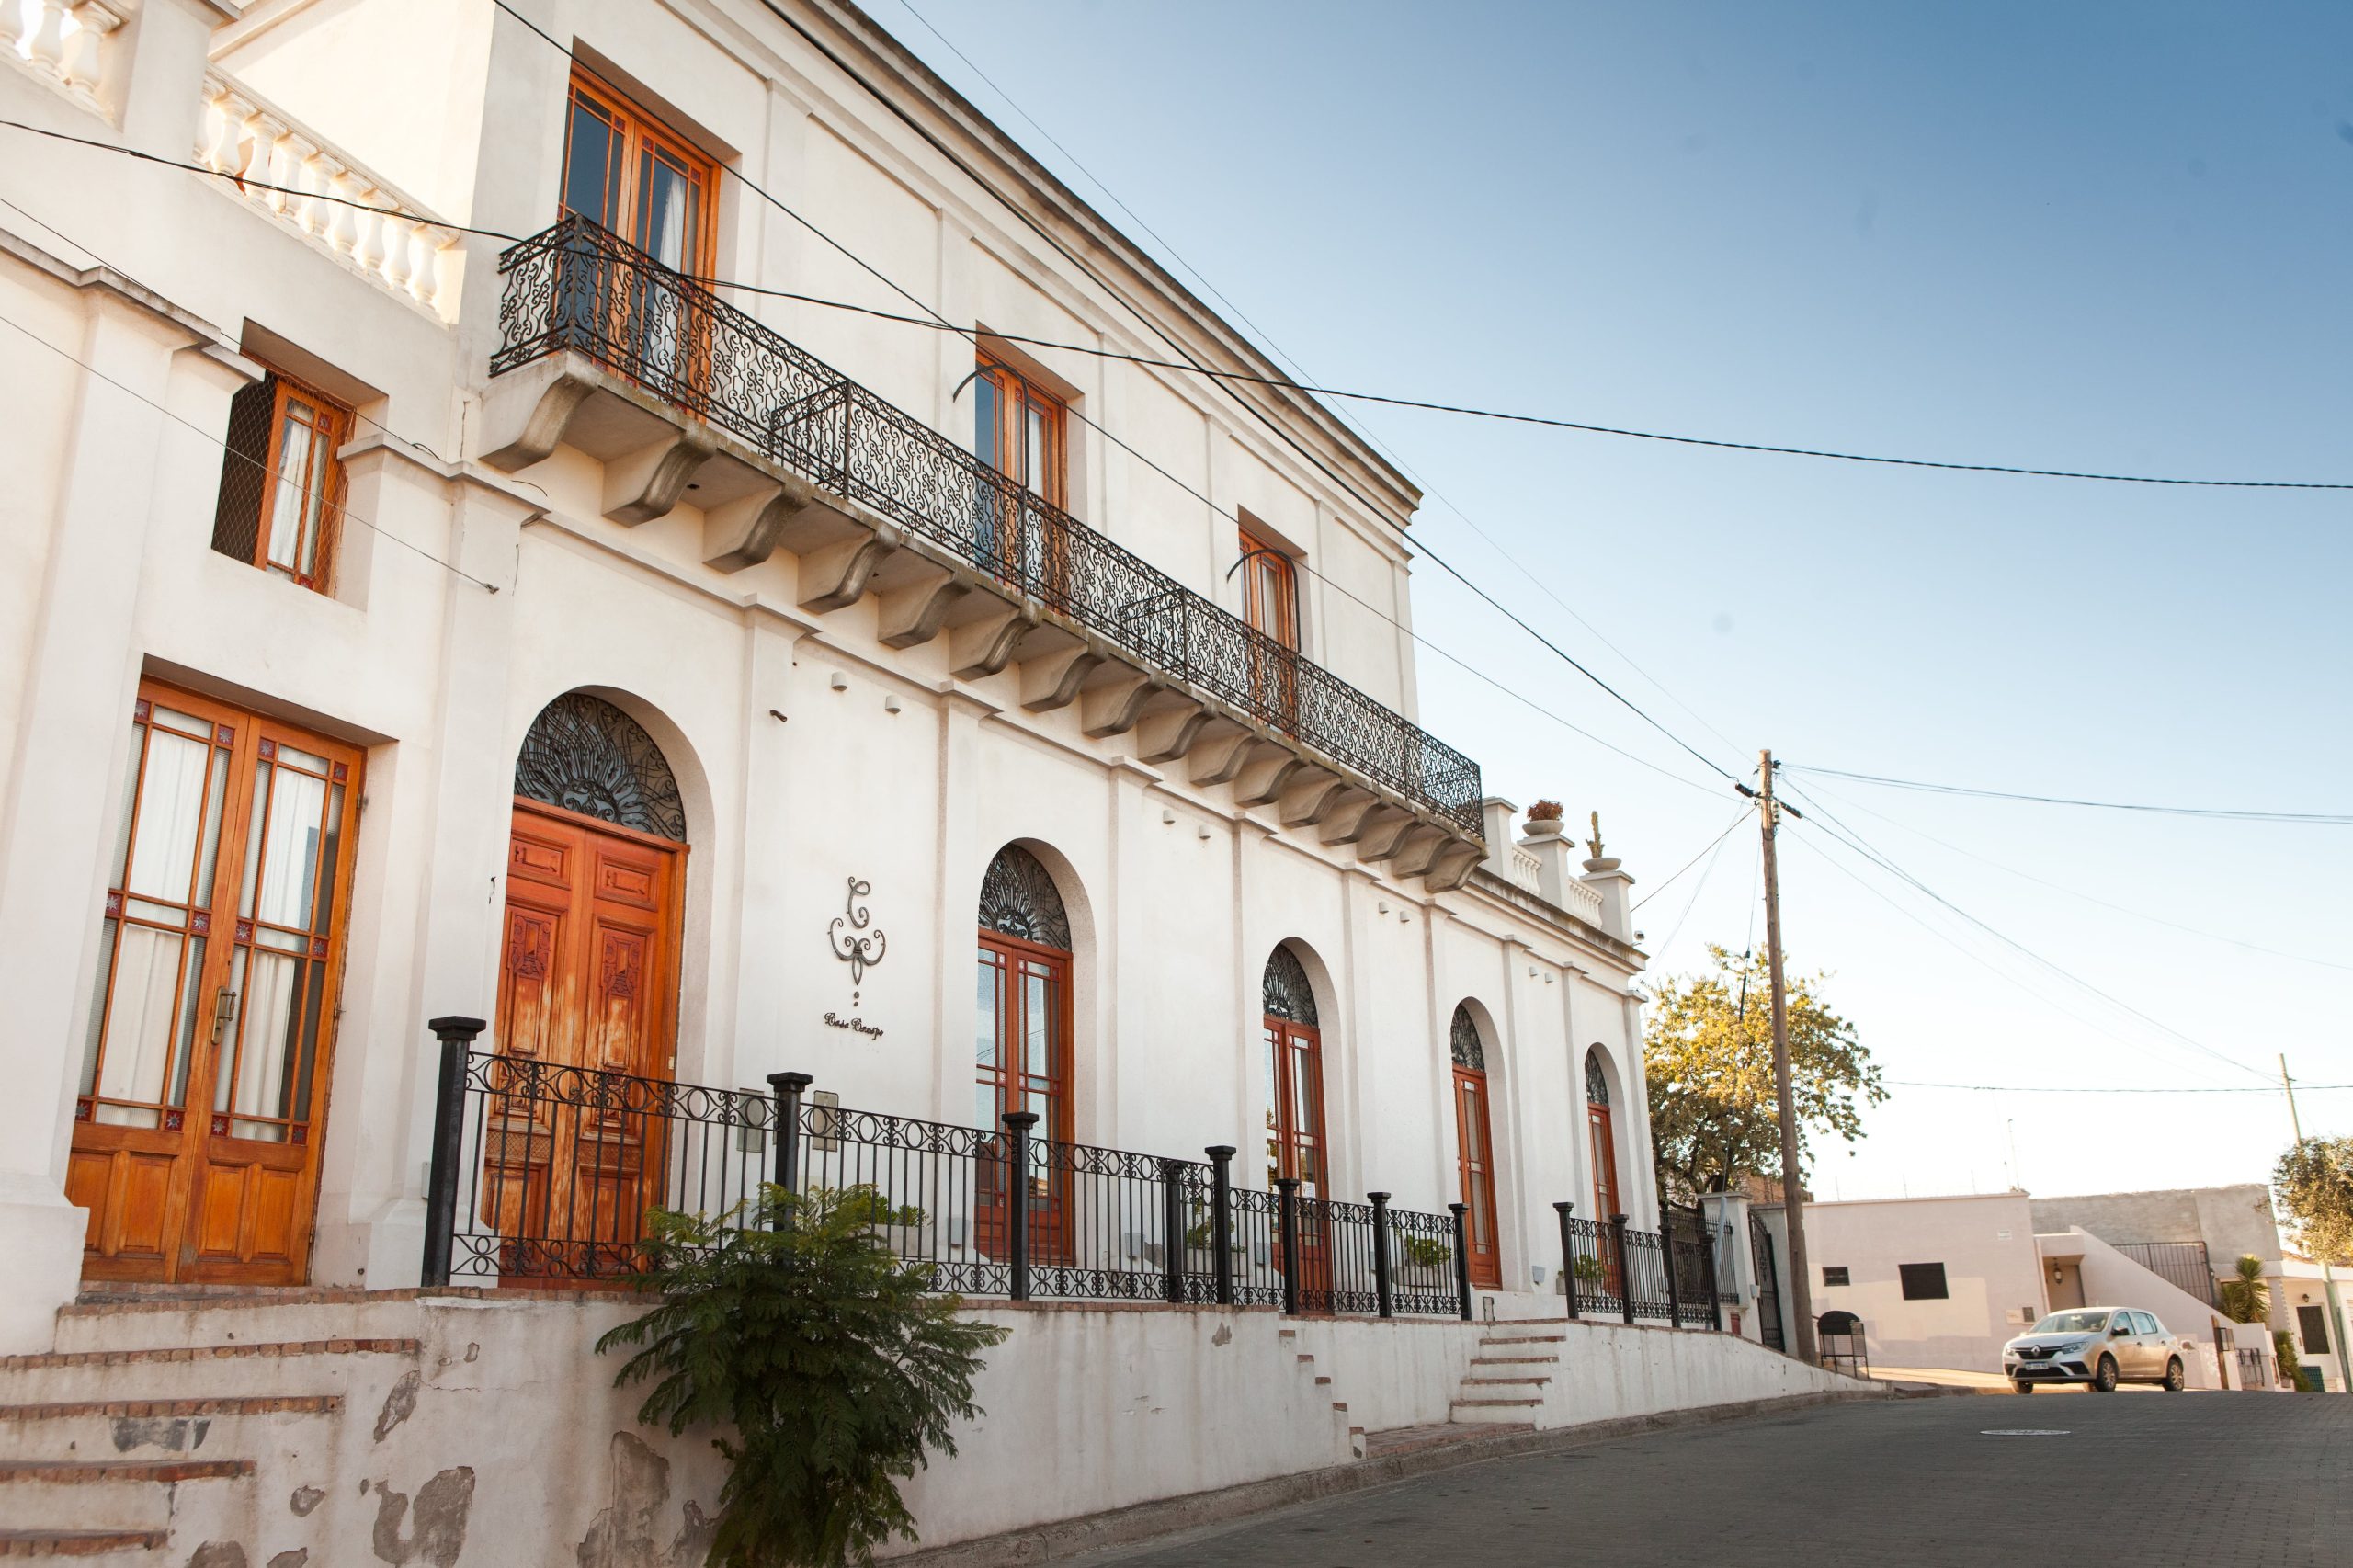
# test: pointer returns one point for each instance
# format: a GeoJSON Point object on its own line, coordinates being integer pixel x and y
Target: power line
{"type": "Point", "coordinates": [1687, 864]}
{"type": "Point", "coordinates": [341, 514]}
{"type": "Point", "coordinates": [1699, 887]}
{"type": "Point", "coordinates": [1835, 863]}
{"type": "Point", "coordinates": [2076, 892]}
{"type": "Point", "coordinates": [2105, 1089]}
{"type": "Point", "coordinates": [2327, 819]}
{"type": "Point", "coordinates": [1854, 841]}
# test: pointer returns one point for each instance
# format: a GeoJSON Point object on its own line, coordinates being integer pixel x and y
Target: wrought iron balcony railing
{"type": "Point", "coordinates": [577, 287]}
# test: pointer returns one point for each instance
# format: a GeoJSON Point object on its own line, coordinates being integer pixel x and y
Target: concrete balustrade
{"type": "Point", "coordinates": [63, 40]}
{"type": "Point", "coordinates": [291, 174]}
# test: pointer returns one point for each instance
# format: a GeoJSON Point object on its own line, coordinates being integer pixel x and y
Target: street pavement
{"type": "Point", "coordinates": [2241, 1479]}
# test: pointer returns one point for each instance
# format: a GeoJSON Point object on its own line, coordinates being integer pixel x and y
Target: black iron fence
{"type": "Point", "coordinates": [2183, 1265]}
{"type": "Point", "coordinates": [578, 288]}
{"type": "Point", "coordinates": [542, 1175]}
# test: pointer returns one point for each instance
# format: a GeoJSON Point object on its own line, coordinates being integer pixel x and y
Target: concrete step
{"type": "Point", "coordinates": [1495, 1411]}
{"type": "Point", "coordinates": [260, 1369]}
{"type": "Point", "coordinates": [1515, 1361]}
{"type": "Point", "coordinates": [1505, 1382]}
{"type": "Point", "coordinates": [104, 1495]}
{"type": "Point", "coordinates": [87, 1548]}
{"type": "Point", "coordinates": [1444, 1434]}
{"type": "Point", "coordinates": [1501, 1339]}
{"type": "Point", "coordinates": [135, 1322]}
{"type": "Point", "coordinates": [160, 1428]}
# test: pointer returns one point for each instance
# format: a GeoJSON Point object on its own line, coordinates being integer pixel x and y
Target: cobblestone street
{"type": "Point", "coordinates": [2245, 1480]}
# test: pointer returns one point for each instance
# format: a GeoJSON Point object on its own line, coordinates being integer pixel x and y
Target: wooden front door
{"type": "Point", "coordinates": [1602, 1149]}
{"type": "Point", "coordinates": [1021, 1061]}
{"type": "Point", "coordinates": [1294, 1069]}
{"type": "Point", "coordinates": [587, 980]}
{"type": "Point", "coordinates": [198, 1121]}
{"type": "Point", "coordinates": [1474, 1156]}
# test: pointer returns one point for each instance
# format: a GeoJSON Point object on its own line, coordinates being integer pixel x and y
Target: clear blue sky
{"type": "Point", "coordinates": [2113, 237]}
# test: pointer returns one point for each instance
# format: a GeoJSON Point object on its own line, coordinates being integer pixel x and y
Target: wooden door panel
{"type": "Point", "coordinates": [128, 1192]}
{"type": "Point", "coordinates": [586, 977]}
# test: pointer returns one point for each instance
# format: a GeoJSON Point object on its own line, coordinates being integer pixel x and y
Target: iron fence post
{"type": "Point", "coordinates": [1715, 1291]}
{"type": "Point", "coordinates": [457, 1036]}
{"type": "Point", "coordinates": [1172, 1222]}
{"type": "Point", "coordinates": [1625, 1265]}
{"type": "Point", "coordinates": [1461, 1257]}
{"type": "Point", "coordinates": [1019, 1122]}
{"type": "Point", "coordinates": [1666, 1254]}
{"type": "Point", "coordinates": [1381, 1252]}
{"type": "Point", "coordinates": [1287, 1216]}
{"type": "Point", "coordinates": [1221, 1218]}
{"type": "Point", "coordinates": [1568, 1257]}
{"type": "Point", "coordinates": [787, 1089]}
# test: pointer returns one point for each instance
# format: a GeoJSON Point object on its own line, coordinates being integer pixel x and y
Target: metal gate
{"type": "Point", "coordinates": [1769, 1284]}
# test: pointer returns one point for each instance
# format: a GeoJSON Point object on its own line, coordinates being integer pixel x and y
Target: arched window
{"type": "Point", "coordinates": [1022, 1048]}
{"type": "Point", "coordinates": [1474, 1148]}
{"type": "Point", "coordinates": [584, 756]}
{"type": "Point", "coordinates": [1291, 1067]}
{"type": "Point", "coordinates": [1601, 1137]}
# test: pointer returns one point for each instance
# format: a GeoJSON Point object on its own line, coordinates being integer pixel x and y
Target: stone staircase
{"type": "Point", "coordinates": [1508, 1375]}
{"type": "Point", "coordinates": [166, 1430]}
{"type": "Point", "coordinates": [1322, 1389]}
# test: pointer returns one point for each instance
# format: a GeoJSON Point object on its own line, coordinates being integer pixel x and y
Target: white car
{"type": "Point", "coordinates": [2099, 1346]}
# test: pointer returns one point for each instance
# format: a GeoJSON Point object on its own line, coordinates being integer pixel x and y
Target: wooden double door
{"type": "Point", "coordinates": [1021, 1060]}
{"type": "Point", "coordinates": [1475, 1161]}
{"type": "Point", "coordinates": [202, 1101]}
{"type": "Point", "coordinates": [587, 984]}
{"type": "Point", "coordinates": [1295, 1145]}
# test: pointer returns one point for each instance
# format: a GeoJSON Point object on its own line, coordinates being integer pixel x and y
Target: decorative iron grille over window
{"type": "Point", "coordinates": [583, 754]}
{"type": "Point", "coordinates": [1462, 1038]}
{"type": "Point", "coordinates": [1288, 993]}
{"type": "Point", "coordinates": [1597, 1082]}
{"type": "Point", "coordinates": [1019, 898]}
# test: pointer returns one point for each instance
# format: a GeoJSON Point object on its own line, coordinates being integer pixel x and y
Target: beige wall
{"type": "Point", "coordinates": [1986, 1245]}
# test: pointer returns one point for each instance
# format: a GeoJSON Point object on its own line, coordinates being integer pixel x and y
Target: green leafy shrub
{"type": "Point", "coordinates": [2283, 1345]}
{"type": "Point", "coordinates": [825, 1365]}
{"type": "Point", "coordinates": [1425, 1252]}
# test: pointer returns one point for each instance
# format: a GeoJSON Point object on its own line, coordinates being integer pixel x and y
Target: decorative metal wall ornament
{"type": "Point", "coordinates": [1596, 1082]}
{"type": "Point", "coordinates": [583, 754]}
{"type": "Point", "coordinates": [1019, 898]}
{"type": "Point", "coordinates": [860, 952]}
{"type": "Point", "coordinates": [1462, 1038]}
{"type": "Point", "coordinates": [1288, 993]}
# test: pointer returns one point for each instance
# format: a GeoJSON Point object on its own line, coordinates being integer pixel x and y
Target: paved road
{"type": "Point", "coordinates": [2236, 1479]}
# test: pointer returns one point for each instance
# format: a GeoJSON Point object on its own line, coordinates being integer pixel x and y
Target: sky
{"type": "Point", "coordinates": [2100, 236]}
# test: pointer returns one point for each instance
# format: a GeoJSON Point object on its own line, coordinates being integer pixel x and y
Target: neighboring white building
{"type": "Point", "coordinates": [408, 624]}
{"type": "Point", "coordinates": [1944, 1282]}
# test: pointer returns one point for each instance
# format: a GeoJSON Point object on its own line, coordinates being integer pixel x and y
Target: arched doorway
{"type": "Point", "coordinates": [1601, 1138]}
{"type": "Point", "coordinates": [587, 980]}
{"type": "Point", "coordinates": [1474, 1149]}
{"type": "Point", "coordinates": [1022, 1048]}
{"type": "Point", "coordinates": [1292, 1069]}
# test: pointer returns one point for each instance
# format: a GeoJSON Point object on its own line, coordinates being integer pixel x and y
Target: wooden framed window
{"type": "Point", "coordinates": [1021, 430]}
{"type": "Point", "coordinates": [1474, 1148]}
{"type": "Point", "coordinates": [625, 169]}
{"type": "Point", "coordinates": [281, 487]}
{"type": "Point", "coordinates": [1269, 590]}
{"type": "Point", "coordinates": [204, 1072]}
{"type": "Point", "coordinates": [1021, 1049]}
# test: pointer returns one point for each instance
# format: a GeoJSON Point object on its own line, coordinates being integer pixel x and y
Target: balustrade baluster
{"type": "Point", "coordinates": [12, 23]}
{"type": "Point", "coordinates": [85, 47]}
{"type": "Point", "coordinates": [47, 43]}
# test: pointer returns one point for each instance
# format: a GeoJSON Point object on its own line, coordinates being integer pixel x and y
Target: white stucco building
{"type": "Point", "coordinates": [407, 621]}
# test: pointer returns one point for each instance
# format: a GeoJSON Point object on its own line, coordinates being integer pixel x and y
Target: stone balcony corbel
{"type": "Point", "coordinates": [1417, 849]}
{"type": "Point", "coordinates": [1170, 735]}
{"type": "Point", "coordinates": [1115, 703]}
{"type": "Point", "coordinates": [1383, 831]}
{"type": "Point", "coordinates": [1454, 865]}
{"type": "Point", "coordinates": [918, 595]}
{"type": "Point", "coordinates": [1053, 680]}
{"type": "Point", "coordinates": [833, 575]}
{"type": "Point", "coordinates": [647, 483]}
{"type": "Point", "coordinates": [1220, 761]}
{"type": "Point", "coordinates": [1312, 797]}
{"type": "Point", "coordinates": [984, 644]}
{"type": "Point", "coordinates": [1348, 819]}
{"type": "Point", "coordinates": [1262, 778]}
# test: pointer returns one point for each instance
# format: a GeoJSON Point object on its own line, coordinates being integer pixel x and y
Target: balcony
{"type": "Point", "coordinates": [605, 349]}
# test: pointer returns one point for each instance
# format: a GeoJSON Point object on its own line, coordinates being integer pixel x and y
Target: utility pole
{"type": "Point", "coordinates": [2327, 1274]}
{"type": "Point", "coordinates": [1792, 1185]}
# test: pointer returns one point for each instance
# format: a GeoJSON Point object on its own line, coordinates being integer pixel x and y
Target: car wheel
{"type": "Point", "coordinates": [2104, 1379]}
{"type": "Point", "coordinates": [2176, 1380]}
{"type": "Point", "coordinates": [2021, 1385]}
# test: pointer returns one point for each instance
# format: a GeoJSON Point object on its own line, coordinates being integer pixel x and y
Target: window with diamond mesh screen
{"type": "Point", "coordinates": [244, 471]}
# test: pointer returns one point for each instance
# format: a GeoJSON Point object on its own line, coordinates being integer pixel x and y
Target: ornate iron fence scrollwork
{"type": "Point", "coordinates": [578, 288]}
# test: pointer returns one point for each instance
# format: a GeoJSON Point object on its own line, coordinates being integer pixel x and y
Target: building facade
{"type": "Point", "coordinates": [451, 574]}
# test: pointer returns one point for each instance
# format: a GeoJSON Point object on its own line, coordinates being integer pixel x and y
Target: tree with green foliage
{"type": "Point", "coordinates": [1708, 1061]}
{"type": "Point", "coordinates": [823, 1362]}
{"type": "Point", "coordinates": [2314, 1182]}
{"type": "Point", "coordinates": [2245, 1297]}
{"type": "Point", "coordinates": [2283, 1346]}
